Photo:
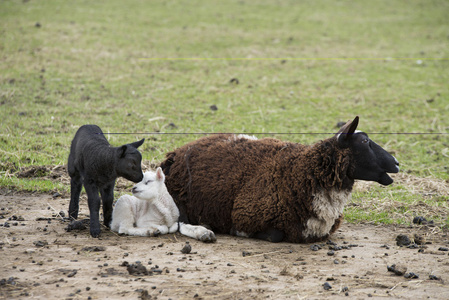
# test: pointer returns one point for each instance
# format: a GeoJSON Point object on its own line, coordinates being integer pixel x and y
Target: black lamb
{"type": "Point", "coordinates": [270, 189]}
{"type": "Point", "coordinates": [96, 165]}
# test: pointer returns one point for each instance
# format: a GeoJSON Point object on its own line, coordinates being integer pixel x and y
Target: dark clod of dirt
{"type": "Point", "coordinates": [246, 253]}
{"type": "Point", "coordinates": [186, 249]}
{"type": "Point", "coordinates": [398, 270]}
{"type": "Point", "coordinates": [419, 239]}
{"type": "Point", "coordinates": [137, 269]}
{"type": "Point", "coordinates": [9, 281]}
{"type": "Point", "coordinates": [403, 240]}
{"type": "Point", "coordinates": [33, 171]}
{"type": "Point", "coordinates": [234, 81]}
{"type": "Point", "coordinates": [411, 275]}
{"type": "Point", "coordinates": [144, 295]}
{"type": "Point", "coordinates": [419, 220]}
{"type": "Point", "coordinates": [330, 253]}
{"type": "Point", "coordinates": [78, 225]}
{"type": "Point", "coordinates": [68, 272]}
{"type": "Point", "coordinates": [37, 25]}
{"type": "Point", "coordinates": [327, 286]}
{"type": "Point", "coordinates": [443, 249]}
{"type": "Point", "coordinates": [40, 243]}
{"type": "Point", "coordinates": [213, 107]}
{"type": "Point", "coordinates": [433, 277]}
{"type": "Point", "coordinates": [422, 221]}
{"type": "Point", "coordinates": [94, 249]}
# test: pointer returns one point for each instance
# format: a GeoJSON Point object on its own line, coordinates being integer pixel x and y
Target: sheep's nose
{"type": "Point", "coordinates": [133, 189]}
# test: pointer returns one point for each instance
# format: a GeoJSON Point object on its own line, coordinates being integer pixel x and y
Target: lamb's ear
{"type": "Point", "coordinates": [347, 130]}
{"type": "Point", "coordinates": [122, 151]}
{"type": "Point", "coordinates": [160, 175]}
{"type": "Point", "coordinates": [137, 144]}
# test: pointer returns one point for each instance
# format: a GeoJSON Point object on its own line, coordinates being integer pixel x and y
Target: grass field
{"type": "Point", "coordinates": [158, 66]}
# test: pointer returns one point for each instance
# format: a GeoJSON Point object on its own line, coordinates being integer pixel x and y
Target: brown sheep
{"type": "Point", "coordinates": [270, 189]}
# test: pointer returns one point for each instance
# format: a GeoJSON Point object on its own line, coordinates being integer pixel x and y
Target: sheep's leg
{"type": "Point", "coordinates": [76, 185]}
{"type": "Point", "coordinates": [107, 195]}
{"type": "Point", "coordinates": [93, 200]}
{"type": "Point", "coordinates": [197, 232]}
{"type": "Point", "coordinates": [271, 235]}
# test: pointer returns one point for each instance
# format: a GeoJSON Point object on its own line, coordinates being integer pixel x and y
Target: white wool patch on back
{"type": "Point", "coordinates": [243, 136]}
{"type": "Point", "coordinates": [328, 207]}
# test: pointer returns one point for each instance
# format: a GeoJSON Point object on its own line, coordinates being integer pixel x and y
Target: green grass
{"type": "Point", "coordinates": [301, 66]}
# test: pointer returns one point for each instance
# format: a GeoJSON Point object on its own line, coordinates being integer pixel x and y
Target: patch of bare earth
{"type": "Point", "coordinates": [41, 260]}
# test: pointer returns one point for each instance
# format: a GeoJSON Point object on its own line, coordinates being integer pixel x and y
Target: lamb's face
{"type": "Point", "coordinates": [151, 186]}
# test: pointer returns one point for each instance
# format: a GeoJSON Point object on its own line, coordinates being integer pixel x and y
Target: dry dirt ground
{"type": "Point", "coordinates": [41, 260]}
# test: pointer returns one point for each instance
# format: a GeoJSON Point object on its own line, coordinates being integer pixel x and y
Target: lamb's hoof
{"type": "Point", "coordinates": [208, 237]}
{"type": "Point", "coordinates": [154, 233]}
{"type": "Point", "coordinates": [95, 233]}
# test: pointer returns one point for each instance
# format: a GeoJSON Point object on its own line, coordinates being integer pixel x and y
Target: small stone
{"type": "Point", "coordinates": [411, 275]}
{"type": "Point", "coordinates": [315, 247]}
{"type": "Point", "coordinates": [327, 286]}
{"type": "Point", "coordinates": [186, 249]}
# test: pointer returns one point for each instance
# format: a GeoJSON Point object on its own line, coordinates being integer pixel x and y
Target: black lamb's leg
{"type": "Point", "coordinates": [94, 202]}
{"type": "Point", "coordinates": [75, 191]}
{"type": "Point", "coordinates": [107, 195]}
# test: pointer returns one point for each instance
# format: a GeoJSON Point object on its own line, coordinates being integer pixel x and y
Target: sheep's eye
{"type": "Point", "coordinates": [148, 181]}
{"type": "Point", "coordinates": [365, 141]}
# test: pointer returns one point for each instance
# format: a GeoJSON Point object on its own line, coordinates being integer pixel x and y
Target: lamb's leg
{"type": "Point", "coordinates": [197, 232]}
{"type": "Point", "coordinates": [122, 217]}
{"type": "Point", "coordinates": [107, 195]}
{"type": "Point", "coordinates": [75, 191]}
{"type": "Point", "coordinates": [93, 200]}
{"type": "Point", "coordinates": [155, 230]}
{"type": "Point", "coordinates": [174, 228]}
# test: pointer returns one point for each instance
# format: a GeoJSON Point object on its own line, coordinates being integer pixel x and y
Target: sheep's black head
{"type": "Point", "coordinates": [129, 161]}
{"type": "Point", "coordinates": [372, 162]}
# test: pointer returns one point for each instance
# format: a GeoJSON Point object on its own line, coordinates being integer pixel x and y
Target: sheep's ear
{"type": "Point", "coordinates": [160, 175]}
{"type": "Point", "coordinates": [137, 144]}
{"type": "Point", "coordinates": [347, 130]}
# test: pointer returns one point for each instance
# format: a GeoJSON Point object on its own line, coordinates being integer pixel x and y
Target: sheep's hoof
{"type": "Point", "coordinates": [208, 237]}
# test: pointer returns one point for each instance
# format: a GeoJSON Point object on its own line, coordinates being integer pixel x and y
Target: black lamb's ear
{"type": "Point", "coordinates": [137, 144]}
{"type": "Point", "coordinates": [122, 151]}
{"type": "Point", "coordinates": [348, 129]}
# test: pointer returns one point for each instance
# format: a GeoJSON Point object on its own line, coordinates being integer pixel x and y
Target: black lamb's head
{"type": "Point", "coordinates": [129, 163]}
{"type": "Point", "coordinates": [372, 162]}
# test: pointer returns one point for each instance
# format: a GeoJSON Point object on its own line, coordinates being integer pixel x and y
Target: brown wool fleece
{"type": "Point", "coordinates": [250, 185]}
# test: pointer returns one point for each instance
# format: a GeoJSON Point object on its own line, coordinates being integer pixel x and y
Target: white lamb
{"type": "Point", "coordinates": [152, 211]}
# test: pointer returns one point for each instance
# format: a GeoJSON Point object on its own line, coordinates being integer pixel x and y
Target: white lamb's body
{"type": "Point", "coordinates": [152, 211]}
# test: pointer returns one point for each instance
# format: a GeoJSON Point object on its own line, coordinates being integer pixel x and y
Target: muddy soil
{"type": "Point", "coordinates": [39, 259]}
